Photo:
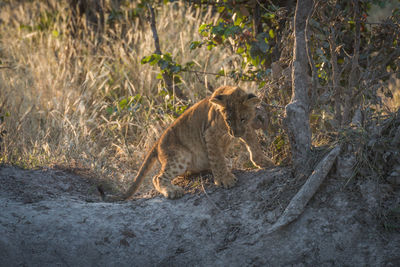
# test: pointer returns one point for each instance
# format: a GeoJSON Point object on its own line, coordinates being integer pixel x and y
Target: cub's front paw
{"type": "Point", "coordinates": [263, 162]}
{"type": "Point", "coordinates": [172, 192]}
{"type": "Point", "coordinates": [227, 181]}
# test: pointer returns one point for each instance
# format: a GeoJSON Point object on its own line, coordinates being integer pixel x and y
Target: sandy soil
{"type": "Point", "coordinates": [55, 218]}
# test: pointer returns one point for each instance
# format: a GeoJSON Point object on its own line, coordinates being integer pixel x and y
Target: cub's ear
{"type": "Point", "coordinates": [218, 100]}
{"type": "Point", "coordinates": [252, 100]}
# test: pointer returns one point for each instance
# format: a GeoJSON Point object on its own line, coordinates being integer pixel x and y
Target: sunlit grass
{"type": "Point", "coordinates": [62, 98]}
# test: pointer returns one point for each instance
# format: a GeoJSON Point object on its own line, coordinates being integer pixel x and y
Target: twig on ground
{"type": "Point", "coordinates": [208, 197]}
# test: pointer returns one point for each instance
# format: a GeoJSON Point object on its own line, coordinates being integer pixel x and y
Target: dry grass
{"type": "Point", "coordinates": [60, 96]}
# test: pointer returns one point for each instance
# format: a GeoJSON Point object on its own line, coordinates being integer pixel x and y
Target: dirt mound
{"type": "Point", "coordinates": [46, 219]}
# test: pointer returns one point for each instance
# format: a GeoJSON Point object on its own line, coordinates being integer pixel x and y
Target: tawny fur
{"type": "Point", "coordinates": [199, 139]}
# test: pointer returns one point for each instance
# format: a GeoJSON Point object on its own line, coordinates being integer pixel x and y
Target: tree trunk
{"type": "Point", "coordinates": [297, 111]}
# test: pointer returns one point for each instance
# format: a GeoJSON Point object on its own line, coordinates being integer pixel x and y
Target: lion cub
{"type": "Point", "coordinates": [199, 139]}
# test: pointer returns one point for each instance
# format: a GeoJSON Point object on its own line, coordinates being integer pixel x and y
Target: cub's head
{"type": "Point", "coordinates": [236, 107]}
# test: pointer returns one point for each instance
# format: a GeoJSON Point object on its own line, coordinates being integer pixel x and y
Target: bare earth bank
{"type": "Point", "coordinates": [46, 220]}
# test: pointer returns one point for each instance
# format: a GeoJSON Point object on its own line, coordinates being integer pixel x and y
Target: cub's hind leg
{"type": "Point", "coordinates": [171, 166]}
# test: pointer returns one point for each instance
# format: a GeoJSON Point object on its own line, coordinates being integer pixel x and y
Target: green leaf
{"type": "Point", "coordinates": [163, 64]}
{"type": "Point", "coordinates": [271, 33]}
{"type": "Point", "coordinates": [26, 27]}
{"type": "Point", "coordinates": [145, 60]}
{"type": "Point", "coordinates": [238, 20]}
{"type": "Point", "coordinates": [176, 69]}
{"type": "Point", "coordinates": [232, 31]}
{"type": "Point", "coordinates": [167, 57]}
{"type": "Point", "coordinates": [152, 59]}
{"type": "Point", "coordinates": [189, 64]}
{"type": "Point", "coordinates": [254, 50]}
{"type": "Point", "coordinates": [255, 61]}
{"type": "Point", "coordinates": [195, 44]}
{"type": "Point", "coordinates": [210, 46]}
{"type": "Point", "coordinates": [381, 4]}
{"type": "Point", "coordinates": [109, 110]}
{"type": "Point", "coordinates": [240, 50]}
{"type": "Point", "coordinates": [203, 29]}
{"type": "Point", "coordinates": [218, 30]}
{"type": "Point", "coordinates": [177, 79]}
{"type": "Point", "coordinates": [262, 37]}
{"type": "Point", "coordinates": [181, 109]}
{"type": "Point", "coordinates": [123, 103]}
{"type": "Point", "coordinates": [279, 143]}
{"type": "Point", "coordinates": [55, 33]}
{"type": "Point", "coordinates": [263, 46]}
{"type": "Point", "coordinates": [268, 15]}
{"type": "Point", "coordinates": [137, 98]}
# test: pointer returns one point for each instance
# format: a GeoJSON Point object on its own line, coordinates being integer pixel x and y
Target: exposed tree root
{"type": "Point", "coordinates": [300, 200]}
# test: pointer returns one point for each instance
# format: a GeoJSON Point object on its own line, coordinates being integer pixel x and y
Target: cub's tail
{"type": "Point", "coordinates": [144, 169]}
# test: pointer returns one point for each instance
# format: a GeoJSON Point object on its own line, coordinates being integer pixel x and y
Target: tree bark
{"type": "Point", "coordinates": [297, 111]}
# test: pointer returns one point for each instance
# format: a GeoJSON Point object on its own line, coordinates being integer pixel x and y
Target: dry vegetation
{"type": "Point", "coordinates": [83, 99]}
{"type": "Point", "coordinates": [88, 102]}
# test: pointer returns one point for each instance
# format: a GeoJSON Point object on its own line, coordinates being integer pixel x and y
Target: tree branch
{"type": "Point", "coordinates": [314, 72]}
{"type": "Point", "coordinates": [335, 75]}
{"type": "Point", "coordinates": [353, 76]}
{"type": "Point", "coordinates": [173, 89]}
{"type": "Point", "coordinates": [154, 30]}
